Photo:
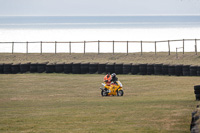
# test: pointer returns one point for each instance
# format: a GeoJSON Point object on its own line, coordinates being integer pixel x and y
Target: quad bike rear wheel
{"type": "Point", "coordinates": [120, 93]}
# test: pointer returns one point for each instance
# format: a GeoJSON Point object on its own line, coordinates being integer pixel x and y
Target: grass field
{"type": "Point", "coordinates": [162, 57]}
{"type": "Point", "coordinates": [72, 103]}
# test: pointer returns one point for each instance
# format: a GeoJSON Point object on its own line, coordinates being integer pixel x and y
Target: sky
{"type": "Point", "coordinates": [98, 7]}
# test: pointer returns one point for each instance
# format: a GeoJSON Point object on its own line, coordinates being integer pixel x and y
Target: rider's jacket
{"type": "Point", "coordinates": [108, 79]}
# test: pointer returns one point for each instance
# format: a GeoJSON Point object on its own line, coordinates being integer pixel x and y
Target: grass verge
{"type": "Point", "coordinates": [150, 57]}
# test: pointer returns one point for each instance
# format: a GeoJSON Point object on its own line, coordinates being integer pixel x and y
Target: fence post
{"type": "Point", "coordinates": [84, 47]}
{"type": "Point", "coordinates": [196, 46]}
{"type": "Point", "coordinates": [55, 47]}
{"type": "Point", "coordinates": [113, 47]}
{"type": "Point", "coordinates": [169, 47]}
{"type": "Point", "coordinates": [98, 46]}
{"type": "Point", "coordinates": [176, 54]}
{"type": "Point", "coordinates": [12, 47]}
{"type": "Point", "coordinates": [70, 48]}
{"type": "Point", "coordinates": [141, 47]}
{"type": "Point", "coordinates": [41, 47]}
{"type": "Point", "coordinates": [155, 48]}
{"type": "Point", "coordinates": [127, 48]}
{"type": "Point", "coordinates": [26, 47]}
{"type": "Point", "coordinates": [183, 46]}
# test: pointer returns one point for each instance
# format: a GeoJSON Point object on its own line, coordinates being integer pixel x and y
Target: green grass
{"type": "Point", "coordinates": [72, 103]}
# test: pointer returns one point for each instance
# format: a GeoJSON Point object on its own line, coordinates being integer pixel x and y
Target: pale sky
{"type": "Point", "coordinates": [98, 7]}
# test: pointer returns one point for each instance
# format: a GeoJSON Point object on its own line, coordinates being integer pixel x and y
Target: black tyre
{"type": "Point", "coordinates": [59, 67]}
{"type": "Point", "coordinates": [158, 69]}
{"type": "Point", "coordinates": [33, 67]}
{"type": "Point", "coordinates": [150, 69]}
{"type": "Point", "coordinates": [93, 68]}
{"type": "Point", "coordinates": [120, 93]}
{"type": "Point", "coordinates": [165, 69]}
{"type": "Point", "coordinates": [1, 68]}
{"type": "Point", "coordinates": [76, 68]}
{"type": "Point", "coordinates": [68, 68]}
{"type": "Point", "coordinates": [24, 67]}
{"type": "Point", "coordinates": [186, 70]}
{"type": "Point", "coordinates": [193, 70]}
{"type": "Point", "coordinates": [104, 93]}
{"type": "Point", "coordinates": [197, 87]}
{"type": "Point", "coordinates": [119, 68]}
{"type": "Point", "coordinates": [197, 97]}
{"type": "Point", "coordinates": [196, 91]}
{"type": "Point", "coordinates": [135, 69]}
{"type": "Point", "coordinates": [171, 70]}
{"type": "Point", "coordinates": [143, 69]}
{"type": "Point", "coordinates": [126, 68]}
{"type": "Point", "coordinates": [110, 68]}
{"type": "Point", "coordinates": [198, 73]}
{"type": "Point", "coordinates": [7, 68]}
{"type": "Point", "coordinates": [101, 68]}
{"type": "Point", "coordinates": [15, 68]}
{"type": "Point", "coordinates": [179, 70]}
{"type": "Point", "coordinates": [198, 70]}
{"type": "Point", "coordinates": [50, 68]}
{"type": "Point", "coordinates": [84, 68]}
{"type": "Point", "coordinates": [41, 67]}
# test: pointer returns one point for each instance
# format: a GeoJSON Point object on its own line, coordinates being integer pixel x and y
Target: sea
{"type": "Point", "coordinates": [22, 29]}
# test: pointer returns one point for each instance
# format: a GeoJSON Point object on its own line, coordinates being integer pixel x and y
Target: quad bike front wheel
{"type": "Point", "coordinates": [120, 93]}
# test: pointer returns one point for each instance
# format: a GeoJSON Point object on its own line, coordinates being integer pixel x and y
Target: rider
{"type": "Point", "coordinates": [114, 78]}
{"type": "Point", "coordinates": [107, 79]}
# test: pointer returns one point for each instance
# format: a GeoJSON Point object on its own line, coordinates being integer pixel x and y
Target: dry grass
{"type": "Point", "coordinates": [72, 103]}
{"type": "Point", "coordinates": [187, 58]}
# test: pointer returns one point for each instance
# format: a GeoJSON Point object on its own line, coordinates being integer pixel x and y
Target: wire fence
{"type": "Point", "coordinates": [11, 47]}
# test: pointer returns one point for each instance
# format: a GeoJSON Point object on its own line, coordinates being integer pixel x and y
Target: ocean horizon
{"type": "Point", "coordinates": [98, 22]}
{"type": "Point", "coordinates": [94, 28]}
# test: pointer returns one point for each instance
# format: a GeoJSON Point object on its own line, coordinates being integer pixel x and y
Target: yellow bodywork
{"type": "Point", "coordinates": [113, 88]}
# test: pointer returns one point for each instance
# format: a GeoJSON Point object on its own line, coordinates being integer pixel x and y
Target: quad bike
{"type": "Point", "coordinates": [115, 89]}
